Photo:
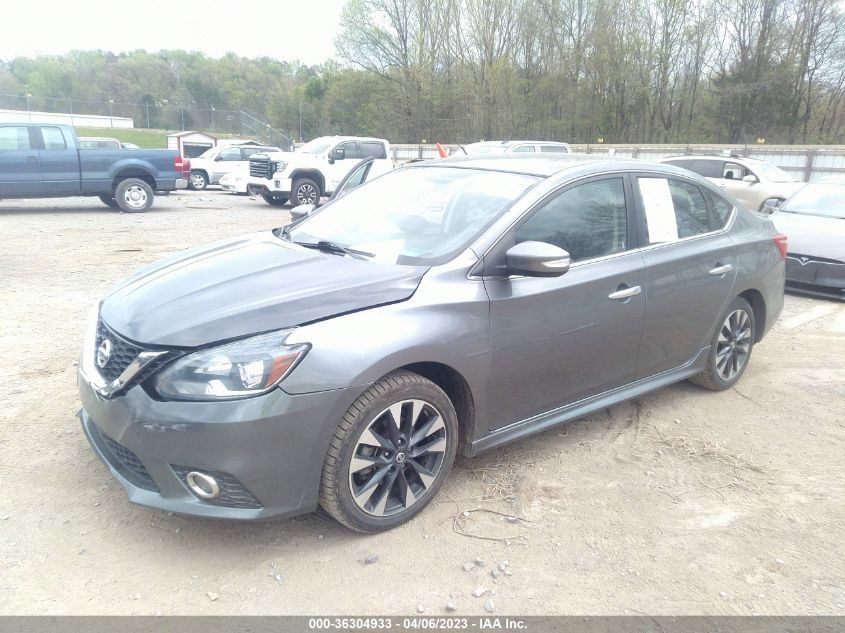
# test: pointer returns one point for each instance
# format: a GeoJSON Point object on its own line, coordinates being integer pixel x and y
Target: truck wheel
{"type": "Point", "coordinates": [199, 181]}
{"type": "Point", "coordinates": [133, 195]}
{"type": "Point", "coordinates": [274, 199]}
{"type": "Point", "coordinates": [108, 201]}
{"type": "Point", "coordinates": [305, 191]}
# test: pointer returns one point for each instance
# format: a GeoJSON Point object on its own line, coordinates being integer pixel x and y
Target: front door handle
{"type": "Point", "coordinates": [721, 270]}
{"type": "Point", "coordinates": [32, 159]}
{"type": "Point", "coordinates": [625, 293]}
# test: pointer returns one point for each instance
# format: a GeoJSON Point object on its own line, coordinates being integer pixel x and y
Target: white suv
{"type": "Point", "coordinates": [755, 183]}
{"type": "Point", "coordinates": [210, 166]}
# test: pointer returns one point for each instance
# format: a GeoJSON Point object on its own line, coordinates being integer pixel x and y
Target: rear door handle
{"type": "Point", "coordinates": [721, 270]}
{"type": "Point", "coordinates": [625, 293]}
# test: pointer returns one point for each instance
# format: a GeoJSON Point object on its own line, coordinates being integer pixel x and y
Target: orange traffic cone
{"type": "Point", "coordinates": [440, 150]}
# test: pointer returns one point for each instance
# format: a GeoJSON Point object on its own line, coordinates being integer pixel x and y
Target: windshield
{"type": "Point", "coordinates": [824, 200]}
{"type": "Point", "coordinates": [417, 215]}
{"type": "Point", "coordinates": [317, 146]}
{"type": "Point", "coordinates": [772, 173]}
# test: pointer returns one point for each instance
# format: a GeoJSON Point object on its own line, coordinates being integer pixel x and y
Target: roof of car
{"type": "Point", "coordinates": [543, 166]}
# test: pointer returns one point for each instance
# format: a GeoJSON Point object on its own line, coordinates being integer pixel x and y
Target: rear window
{"type": "Point", "coordinates": [555, 149]}
{"type": "Point", "coordinates": [371, 149]}
{"type": "Point", "coordinates": [674, 209]}
{"type": "Point", "coordinates": [53, 138]}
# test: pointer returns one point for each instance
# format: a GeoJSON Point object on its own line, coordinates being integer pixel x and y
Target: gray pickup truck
{"type": "Point", "coordinates": [40, 160]}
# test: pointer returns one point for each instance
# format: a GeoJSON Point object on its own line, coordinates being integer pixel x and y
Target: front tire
{"type": "Point", "coordinates": [390, 453]}
{"type": "Point", "coordinates": [199, 180]}
{"type": "Point", "coordinates": [133, 195]}
{"type": "Point", "coordinates": [109, 201]}
{"type": "Point", "coordinates": [730, 348]}
{"type": "Point", "coordinates": [305, 191]}
{"type": "Point", "coordinates": [275, 200]}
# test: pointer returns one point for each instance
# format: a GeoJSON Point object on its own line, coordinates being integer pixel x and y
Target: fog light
{"type": "Point", "coordinates": [202, 485]}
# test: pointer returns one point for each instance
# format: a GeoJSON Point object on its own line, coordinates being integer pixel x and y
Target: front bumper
{"type": "Point", "coordinates": [268, 450]}
{"type": "Point", "coordinates": [815, 276]}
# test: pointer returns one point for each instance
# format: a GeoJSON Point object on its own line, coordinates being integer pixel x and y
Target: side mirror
{"type": "Point", "coordinates": [301, 212]}
{"type": "Point", "coordinates": [338, 153]}
{"type": "Point", "coordinates": [771, 205]}
{"type": "Point", "coordinates": [537, 259]}
{"type": "Point", "coordinates": [750, 178]}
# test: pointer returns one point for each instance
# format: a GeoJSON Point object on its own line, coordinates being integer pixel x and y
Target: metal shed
{"type": "Point", "coordinates": [191, 144]}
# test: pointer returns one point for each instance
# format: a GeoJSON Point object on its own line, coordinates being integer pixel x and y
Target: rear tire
{"type": "Point", "coordinates": [133, 195]}
{"type": "Point", "coordinates": [730, 348]}
{"type": "Point", "coordinates": [199, 180]}
{"type": "Point", "coordinates": [275, 200]}
{"type": "Point", "coordinates": [109, 201]}
{"type": "Point", "coordinates": [381, 471]}
{"type": "Point", "coordinates": [305, 191]}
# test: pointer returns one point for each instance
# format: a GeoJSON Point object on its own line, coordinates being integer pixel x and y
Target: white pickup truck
{"type": "Point", "coordinates": [315, 169]}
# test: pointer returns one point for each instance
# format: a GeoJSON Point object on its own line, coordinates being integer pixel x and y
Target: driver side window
{"type": "Point", "coordinates": [587, 221]}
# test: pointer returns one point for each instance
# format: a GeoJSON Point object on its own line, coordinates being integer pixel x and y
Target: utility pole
{"type": "Point", "coordinates": [28, 115]}
{"type": "Point", "coordinates": [212, 118]}
{"type": "Point", "coordinates": [300, 119]}
{"type": "Point", "coordinates": [148, 115]}
{"type": "Point", "coordinates": [111, 122]}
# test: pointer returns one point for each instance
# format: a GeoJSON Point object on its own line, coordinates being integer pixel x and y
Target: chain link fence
{"type": "Point", "coordinates": [162, 115]}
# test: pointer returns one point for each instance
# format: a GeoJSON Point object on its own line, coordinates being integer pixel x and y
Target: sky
{"type": "Point", "coordinates": [282, 29]}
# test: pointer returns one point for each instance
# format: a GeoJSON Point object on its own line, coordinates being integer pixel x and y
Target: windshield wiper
{"type": "Point", "coordinates": [328, 246]}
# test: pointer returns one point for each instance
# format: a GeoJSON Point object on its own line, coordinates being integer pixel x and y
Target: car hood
{"type": "Point", "coordinates": [812, 235]}
{"type": "Point", "coordinates": [247, 285]}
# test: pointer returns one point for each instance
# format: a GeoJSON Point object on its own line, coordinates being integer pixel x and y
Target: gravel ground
{"type": "Point", "coordinates": [681, 502]}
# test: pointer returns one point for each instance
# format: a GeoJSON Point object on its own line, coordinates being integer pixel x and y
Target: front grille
{"type": "Point", "coordinates": [122, 352]}
{"type": "Point", "coordinates": [233, 494]}
{"type": "Point", "coordinates": [124, 460]}
{"type": "Point", "coordinates": [261, 167]}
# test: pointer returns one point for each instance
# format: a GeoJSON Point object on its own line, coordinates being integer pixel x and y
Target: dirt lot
{"type": "Point", "coordinates": [682, 502]}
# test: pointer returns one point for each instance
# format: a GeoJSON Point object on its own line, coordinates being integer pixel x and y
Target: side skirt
{"type": "Point", "coordinates": [575, 410]}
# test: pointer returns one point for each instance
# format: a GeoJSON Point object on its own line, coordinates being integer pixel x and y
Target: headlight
{"type": "Point", "coordinates": [279, 166]}
{"type": "Point", "coordinates": [237, 370]}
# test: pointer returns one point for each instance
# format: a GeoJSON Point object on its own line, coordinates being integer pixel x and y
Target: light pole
{"type": "Point", "coordinates": [212, 118]}
{"type": "Point", "coordinates": [300, 119]}
{"type": "Point", "coordinates": [28, 115]}
{"type": "Point", "coordinates": [111, 121]}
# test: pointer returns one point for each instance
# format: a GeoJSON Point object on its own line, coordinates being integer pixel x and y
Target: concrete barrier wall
{"type": "Point", "coordinates": [802, 162]}
{"type": "Point", "coordinates": [77, 120]}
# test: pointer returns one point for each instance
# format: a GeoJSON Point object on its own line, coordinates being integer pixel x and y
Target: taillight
{"type": "Point", "coordinates": [182, 164]}
{"type": "Point", "coordinates": [780, 241]}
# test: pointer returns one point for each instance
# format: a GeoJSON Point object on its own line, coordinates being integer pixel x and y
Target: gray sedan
{"type": "Point", "coordinates": [448, 307]}
{"type": "Point", "coordinates": [814, 221]}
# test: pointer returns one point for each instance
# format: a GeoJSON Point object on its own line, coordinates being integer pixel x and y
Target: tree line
{"type": "Point", "coordinates": [462, 70]}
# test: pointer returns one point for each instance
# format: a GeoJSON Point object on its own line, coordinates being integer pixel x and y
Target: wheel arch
{"type": "Point", "coordinates": [313, 174]}
{"type": "Point", "coordinates": [133, 172]}
{"type": "Point", "coordinates": [457, 389]}
{"type": "Point", "coordinates": [758, 304]}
